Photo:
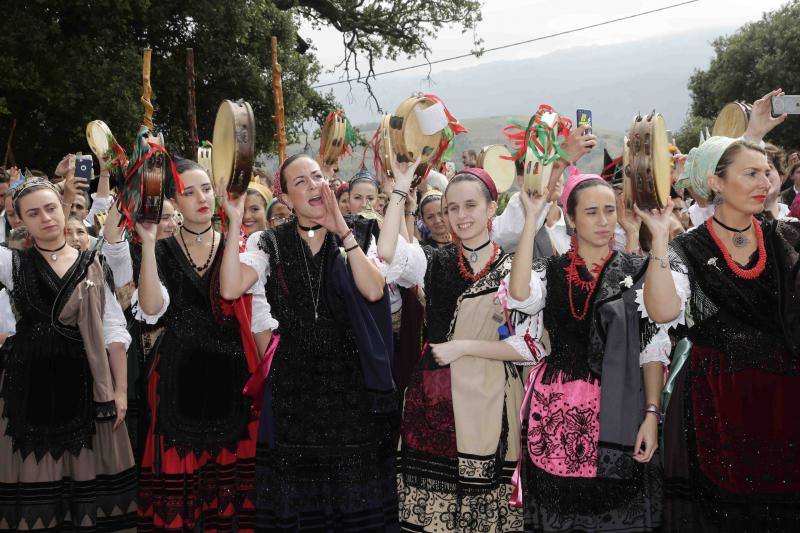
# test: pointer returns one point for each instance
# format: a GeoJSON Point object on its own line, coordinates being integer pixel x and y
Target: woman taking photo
{"type": "Point", "coordinates": [198, 469]}
{"type": "Point", "coordinates": [65, 459]}
{"type": "Point", "coordinates": [590, 416]}
{"type": "Point", "coordinates": [326, 452]}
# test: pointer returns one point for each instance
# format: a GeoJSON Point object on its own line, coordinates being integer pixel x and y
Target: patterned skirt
{"type": "Point", "coordinates": [92, 491]}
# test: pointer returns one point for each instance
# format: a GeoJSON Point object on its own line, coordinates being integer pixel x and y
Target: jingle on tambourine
{"type": "Point", "coordinates": [650, 166]}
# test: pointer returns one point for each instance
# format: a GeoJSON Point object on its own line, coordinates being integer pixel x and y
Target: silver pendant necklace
{"type": "Point", "coordinates": [53, 253]}
{"type": "Point", "coordinates": [198, 236]}
{"type": "Point", "coordinates": [473, 252]}
{"type": "Point", "coordinates": [314, 299]}
{"type": "Point", "coordinates": [310, 231]}
{"type": "Point", "coordinates": [739, 239]}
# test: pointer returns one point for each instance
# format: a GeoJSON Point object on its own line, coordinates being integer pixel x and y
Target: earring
{"type": "Point", "coordinates": [489, 225]}
{"type": "Point", "coordinates": [718, 200]}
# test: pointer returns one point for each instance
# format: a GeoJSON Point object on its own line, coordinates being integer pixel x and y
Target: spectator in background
{"type": "Point", "coordinates": [772, 205]}
{"type": "Point", "coordinates": [264, 178]}
{"type": "Point", "coordinates": [793, 176]}
{"type": "Point", "coordinates": [469, 158]}
{"type": "Point", "coordinates": [77, 234]}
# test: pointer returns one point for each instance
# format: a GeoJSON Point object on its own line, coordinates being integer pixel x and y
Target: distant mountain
{"type": "Point", "coordinates": [614, 81]}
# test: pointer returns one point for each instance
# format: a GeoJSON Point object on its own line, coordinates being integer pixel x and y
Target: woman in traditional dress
{"type": "Point", "coordinates": [731, 428]}
{"type": "Point", "coordinates": [459, 433]}
{"type": "Point", "coordinates": [65, 458]}
{"type": "Point", "coordinates": [590, 416]}
{"type": "Point", "coordinates": [430, 212]}
{"type": "Point", "coordinates": [198, 469]}
{"type": "Point", "coordinates": [326, 448]}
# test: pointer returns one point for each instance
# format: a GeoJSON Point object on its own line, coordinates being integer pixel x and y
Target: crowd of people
{"type": "Point", "coordinates": [380, 354]}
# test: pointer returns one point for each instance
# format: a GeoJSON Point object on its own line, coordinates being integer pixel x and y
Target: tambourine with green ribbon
{"type": "Point", "coordinates": [544, 135]}
{"type": "Point", "coordinates": [338, 136]}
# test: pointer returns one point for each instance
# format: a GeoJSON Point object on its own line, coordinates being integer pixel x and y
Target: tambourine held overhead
{"type": "Point", "coordinates": [496, 160]}
{"type": "Point", "coordinates": [732, 120]}
{"type": "Point", "coordinates": [651, 161]}
{"type": "Point", "coordinates": [234, 145]}
{"type": "Point", "coordinates": [412, 129]}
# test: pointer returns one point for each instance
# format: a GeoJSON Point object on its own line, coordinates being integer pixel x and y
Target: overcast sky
{"type": "Point", "coordinates": [506, 21]}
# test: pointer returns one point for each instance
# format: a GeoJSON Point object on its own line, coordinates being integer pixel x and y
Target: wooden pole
{"type": "Point", "coordinates": [191, 111]}
{"type": "Point", "coordinates": [277, 90]}
{"type": "Point", "coordinates": [147, 90]}
{"type": "Point", "coordinates": [9, 153]}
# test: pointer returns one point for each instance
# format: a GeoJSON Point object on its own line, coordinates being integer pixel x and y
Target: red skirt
{"type": "Point", "coordinates": [214, 490]}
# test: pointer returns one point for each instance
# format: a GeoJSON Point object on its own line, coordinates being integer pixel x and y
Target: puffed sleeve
{"type": "Point", "coordinates": [507, 227]}
{"type": "Point", "coordinates": [114, 323]}
{"type": "Point", "coordinates": [8, 322]}
{"type": "Point", "coordinates": [537, 296]}
{"type": "Point", "coordinates": [256, 258]}
{"type": "Point", "coordinates": [99, 205]}
{"type": "Point", "coordinates": [138, 314]}
{"type": "Point", "coordinates": [6, 267]}
{"type": "Point", "coordinates": [658, 349]}
{"type": "Point", "coordinates": [118, 258]}
{"type": "Point", "coordinates": [527, 339]}
{"type": "Point", "coordinates": [680, 276]}
{"type": "Point", "coordinates": [408, 265]}
{"type": "Point", "coordinates": [262, 319]}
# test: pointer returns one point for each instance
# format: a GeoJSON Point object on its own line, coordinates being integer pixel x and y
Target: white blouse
{"type": "Point", "coordinates": [119, 256]}
{"type": "Point", "coordinates": [658, 349]}
{"type": "Point", "coordinates": [114, 324]}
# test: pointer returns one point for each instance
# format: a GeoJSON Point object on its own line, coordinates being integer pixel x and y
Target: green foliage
{"type": "Point", "coordinates": [759, 57]}
{"type": "Point", "coordinates": [65, 63]}
{"type": "Point", "coordinates": [689, 135]}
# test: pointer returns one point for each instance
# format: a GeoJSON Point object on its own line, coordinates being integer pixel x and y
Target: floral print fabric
{"type": "Point", "coordinates": [563, 429]}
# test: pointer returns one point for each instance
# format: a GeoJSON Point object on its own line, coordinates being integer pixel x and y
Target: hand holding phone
{"type": "Point", "coordinates": [584, 118]}
{"type": "Point", "coordinates": [785, 104]}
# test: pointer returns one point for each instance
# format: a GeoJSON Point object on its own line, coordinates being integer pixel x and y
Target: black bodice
{"type": "Point", "coordinates": [318, 397]}
{"type": "Point", "coordinates": [202, 366]}
{"type": "Point", "coordinates": [48, 385]}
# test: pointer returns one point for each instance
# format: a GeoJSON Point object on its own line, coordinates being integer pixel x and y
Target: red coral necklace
{"type": "Point", "coordinates": [462, 267]}
{"type": "Point", "coordinates": [739, 272]}
{"type": "Point", "coordinates": [574, 278]}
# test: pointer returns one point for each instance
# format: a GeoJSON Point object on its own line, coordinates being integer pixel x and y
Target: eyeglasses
{"type": "Point", "coordinates": [278, 220]}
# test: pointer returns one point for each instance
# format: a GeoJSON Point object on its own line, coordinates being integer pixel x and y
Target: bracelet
{"type": "Point", "coordinates": [351, 248]}
{"type": "Point", "coordinates": [411, 214]}
{"type": "Point", "coordinates": [653, 408]}
{"type": "Point", "coordinates": [348, 234]}
{"type": "Point", "coordinates": [662, 261]}
{"type": "Point", "coordinates": [402, 194]}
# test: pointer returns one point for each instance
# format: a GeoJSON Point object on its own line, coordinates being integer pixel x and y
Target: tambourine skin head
{"type": "Point", "coordinates": [496, 160]}
{"type": "Point", "coordinates": [99, 137]}
{"type": "Point", "coordinates": [732, 120]}
{"type": "Point", "coordinates": [408, 140]}
{"type": "Point", "coordinates": [234, 145]}
{"type": "Point", "coordinates": [536, 175]}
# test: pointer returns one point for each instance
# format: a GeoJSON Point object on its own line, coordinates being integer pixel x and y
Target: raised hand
{"type": "Point", "coordinates": [233, 206]}
{"type": "Point", "coordinates": [534, 203]}
{"type": "Point", "coordinates": [761, 120]}
{"type": "Point", "coordinates": [147, 232]}
{"type": "Point", "coordinates": [332, 220]}
{"type": "Point", "coordinates": [658, 221]}
{"type": "Point", "coordinates": [404, 173]}
{"type": "Point", "coordinates": [579, 143]}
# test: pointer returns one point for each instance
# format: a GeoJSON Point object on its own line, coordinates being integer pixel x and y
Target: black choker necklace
{"type": "Point", "coordinates": [53, 253]}
{"type": "Point", "coordinates": [198, 235]}
{"type": "Point", "coordinates": [473, 256]}
{"type": "Point", "coordinates": [310, 230]}
{"type": "Point", "coordinates": [739, 240]}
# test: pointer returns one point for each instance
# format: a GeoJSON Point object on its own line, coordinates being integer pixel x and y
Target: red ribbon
{"type": "Point", "coordinates": [444, 142]}
{"type": "Point", "coordinates": [254, 388]}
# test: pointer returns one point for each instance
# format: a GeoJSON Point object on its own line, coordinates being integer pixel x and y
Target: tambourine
{"type": "Point", "coordinates": [154, 177]}
{"type": "Point", "coordinates": [335, 134]}
{"type": "Point", "coordinates": [384, 151]}
{"type": "Point", "coordinates": [100, 138]}
{"type": "Point", "coordinates": [496, 160]}
{"type": "Point", "coordinates": [732, 120]}
{"type": "Point", "coordinates": [234, 145]}
{"type": "Point", "coordinates": [651, 162]}
{"type": "Point", "coordinates": [415, 129]}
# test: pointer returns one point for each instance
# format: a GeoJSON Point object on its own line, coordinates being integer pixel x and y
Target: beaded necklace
{"type": "Point", "coordinates": [574, 278]}
{"type": "Point", "coordinates": [738, 271]}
